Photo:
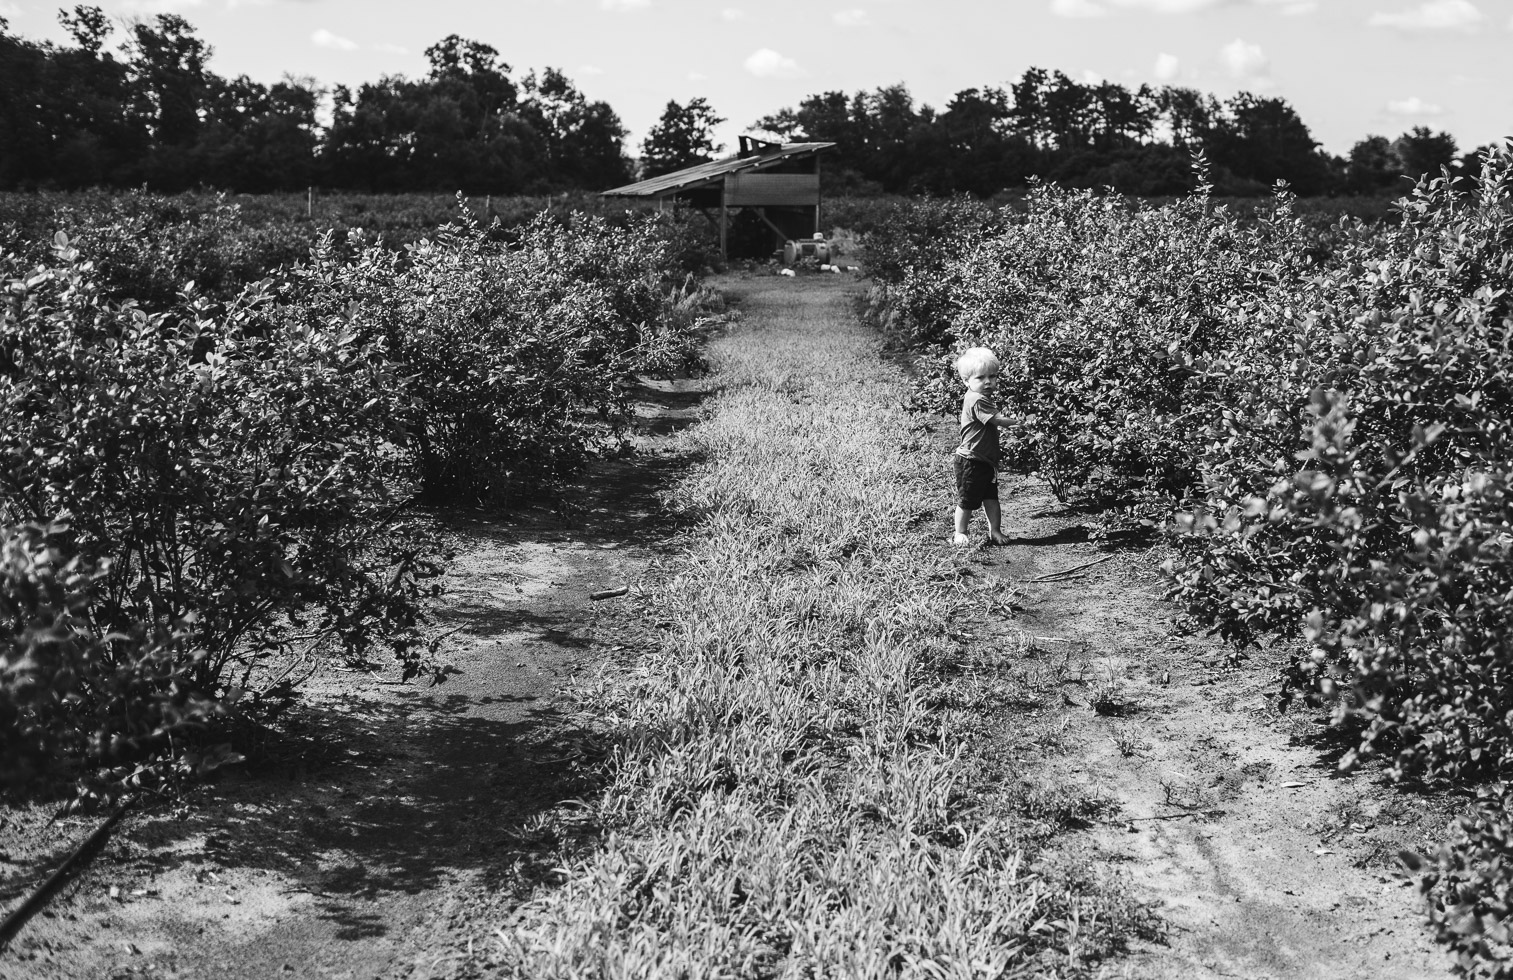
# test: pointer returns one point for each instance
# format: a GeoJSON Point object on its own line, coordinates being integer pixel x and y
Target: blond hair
{"type": "Point", "coordinates": [975, 361]}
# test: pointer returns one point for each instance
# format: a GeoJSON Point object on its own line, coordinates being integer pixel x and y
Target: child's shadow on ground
{"type": "Point", "coordinates": [1077, 532]}
{"type": "Point", "coordinates": [1065, 535]}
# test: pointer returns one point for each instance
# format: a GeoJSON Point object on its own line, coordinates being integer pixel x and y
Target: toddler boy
{"type": "Point", "coordinates": [977, 455]}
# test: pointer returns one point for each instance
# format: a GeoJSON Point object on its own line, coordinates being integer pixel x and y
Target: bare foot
{"type": "Point", "coordinates": [959, 538]}
{"type": "Point", "coordinates": [998, 537]}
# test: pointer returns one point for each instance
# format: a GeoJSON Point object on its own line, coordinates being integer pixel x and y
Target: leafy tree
{"type": "Point", "coordinates": [989, 139]}
{"type": "Point", "coordinates": [979, 150]}
{"type": "Point", "coordinates": [1029, 114]}
{"type": "Point", "coordinates": [1420, 152]}
{"type": "Point", "coordinates": [463, 127]}
{"type": "Point", "coordinates": [455, 56]}
{"type": "Point", "coordinates": [63, 118]}
{"type": "Point", "coordinates": [824, 117]}
{"type": "Point", "coordinates": [584, 140]}
{"type": "Point", "coordinates": [260, 139]}
{"type": "Point", "coordinates": [975, 117]}
{"type": "Point", "coordinates": [1190, 116]}
{"type": "Point", "coordinates": [1120, 117]}
{"type": "Point", "coordinates": [684, 136]}
{"type": "Point", "coordinates": [88, 26]}
{"type": "Point", "coordinates": [170, 89]}
{"type": "Point", "coordinates": [24, 134]}
{"type": "Point", "coordinates": [1377, 165]}
{"type": "Point", "coordinates": [471, 74]}
{"type": "Point", "coordinates": [1068, 113]}
{"type": "Point", "coordinates": [890, 132]}
{"type": "Point", "coordinates": [1263, 140]}
{"type": "Point", "coordinates": [168, 70]}
{"type": "Point", "coordinates": [99, 142]}
{"type": "Point", "coordinates": [1371, 167]}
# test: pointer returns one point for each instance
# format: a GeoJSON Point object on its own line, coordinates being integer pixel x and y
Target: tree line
{"type": "Point", "coordinates": [1091, 135]}
{"type": "Point", "coordinates": [80, 116]}
{"type": "Point", "coordinates": [151, 112]}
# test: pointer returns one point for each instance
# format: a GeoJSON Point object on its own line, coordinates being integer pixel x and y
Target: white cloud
{"type": "Point", "coordinates": [1167, 66]}
{"type": "Point", "coordinates": [697, 76]}
{"type": "Point", "coordinates": [733, 14]}
{"type": "Point", "coordinates": [1436, 15]}
{"type": "Point", "coordinates": [590, 70]}
{"type": "Point", "coordinates": [160, 6]}
{"type": "Point", "coordinates": [1090, 77]}
{"type": "Point", "coordinates": [624, 5]}
{"type": "Point", "coordinates": [767, 63]}
{"type": "Point", "coordinates": [1090, 8]}
{"type": "Point", "coordinates": [1080, 9]}
{"type": "Point", "coordinates": [1168, 6]}
{"type": "Point", "coordinates": [8, 9]}
{"type": "Point", "coordinates": [1246, 62]}
{"type": "Point", "coordinates": [325, 39]}
{"type": "Point", "coordinates": [1414, 106]}
{"type": "Point", "coordinates": [852, 18]}
{"type": "Point", "coordinates": [389, 48]}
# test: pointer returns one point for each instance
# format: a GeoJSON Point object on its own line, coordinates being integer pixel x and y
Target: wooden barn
{"type": "Point", "coordinates": [765, 195]}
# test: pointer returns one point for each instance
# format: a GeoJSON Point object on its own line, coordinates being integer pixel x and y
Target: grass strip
{"type": "Point", "coordinates": [786, 795]}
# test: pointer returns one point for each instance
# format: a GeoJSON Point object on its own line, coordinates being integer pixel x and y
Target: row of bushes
{"type": "Point", "coordinates": [1324, 420]}
{"type": "Point", "coordinates": [191, 488]}
{"type": "Point", "coordinates": [147, 245]}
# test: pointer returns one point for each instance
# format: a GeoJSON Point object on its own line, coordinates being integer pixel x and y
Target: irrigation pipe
{"type": "Point", "coordinates": [76, 860]}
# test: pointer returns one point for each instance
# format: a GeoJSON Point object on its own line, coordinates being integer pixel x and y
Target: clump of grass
{"type": "Point", "coordinates": [786, 795]}
{"type": "Point", "coordinates": [1129, 744]}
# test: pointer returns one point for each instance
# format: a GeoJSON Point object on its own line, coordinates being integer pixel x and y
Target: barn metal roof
{"type": "Point", "coordinates": [708, 173]}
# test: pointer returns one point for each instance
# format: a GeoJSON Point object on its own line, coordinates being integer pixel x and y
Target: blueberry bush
{"type": "Point", "coordinates": [1322, 416]}
{"type": "Point", "coordinates": [198, 483]}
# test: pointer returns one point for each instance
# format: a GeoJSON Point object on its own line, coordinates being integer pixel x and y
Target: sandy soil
{"type": "Point", "coordinates": [1264, 860]}
{"type": "Point", "coordinates": [391, 822]}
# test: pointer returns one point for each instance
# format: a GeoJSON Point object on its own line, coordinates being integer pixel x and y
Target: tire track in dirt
{"type": "Point", "coordinates": [1263, 860]}
{"type": "Point", "coordinates": [391, 822]}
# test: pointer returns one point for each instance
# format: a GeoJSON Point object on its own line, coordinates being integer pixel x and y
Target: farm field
{"type": "Point", "coordinates": [804, 684]}
{"type": "Point", "coordinates": [385, 821]}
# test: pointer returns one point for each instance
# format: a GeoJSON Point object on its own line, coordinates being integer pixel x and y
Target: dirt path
{"type": "Point", "coordinates": [1264, 861]}
{"type": "Point", "coordinates": [394, 821]}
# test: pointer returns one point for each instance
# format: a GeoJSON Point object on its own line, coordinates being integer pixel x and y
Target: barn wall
{"type": "Point", "coordinates": [786, 190]}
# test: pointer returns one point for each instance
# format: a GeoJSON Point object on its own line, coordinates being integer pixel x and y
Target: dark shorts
{"type": "Point", "coordinates": [976, 481]}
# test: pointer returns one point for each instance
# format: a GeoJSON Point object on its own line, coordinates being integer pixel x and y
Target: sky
{"type": "Point", "coordinates": [1349, 67]}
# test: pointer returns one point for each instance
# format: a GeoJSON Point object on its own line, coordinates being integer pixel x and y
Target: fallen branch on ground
{"type": "Point", "coordinates": [1170, 816]}
{"type": "Point", "coordinates": [1067, 571]}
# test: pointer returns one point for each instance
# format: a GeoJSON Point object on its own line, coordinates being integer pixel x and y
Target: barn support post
{"type": "Point", "coordinates": [724, 221]}
{"type": "Point", "coordinates": [818, 198]}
